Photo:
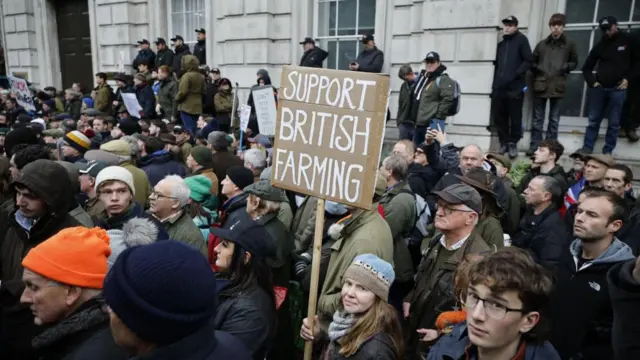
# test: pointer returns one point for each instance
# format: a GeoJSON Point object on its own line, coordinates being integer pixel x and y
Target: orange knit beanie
{"type": "Point", "coordinates": [74, 256]}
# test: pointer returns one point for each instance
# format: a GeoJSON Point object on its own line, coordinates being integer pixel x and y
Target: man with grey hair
{"type": "Point", "coordinates": [542, 231]}
{"type": "Point", "coordinates": [459, 207]}
{"type": "Point", "coordinates": [256, 161]}
{"type": "Point", "coordinates": [399, 204]}
{"type": "Point", "coordinates": [223, 159]}
{"type": "Point", "coordinates": [169, 201]}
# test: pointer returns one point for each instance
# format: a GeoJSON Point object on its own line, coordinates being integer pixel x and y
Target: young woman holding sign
{"type": "Point", "coordinates": [365, 327]}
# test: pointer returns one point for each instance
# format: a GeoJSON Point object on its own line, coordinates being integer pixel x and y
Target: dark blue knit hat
{"type": "Point", "coordinates": [162, 292]}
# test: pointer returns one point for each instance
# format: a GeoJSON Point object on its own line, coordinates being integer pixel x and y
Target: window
{"type": "Point", "coordinates": [185, 17]}
{"type": "Point", "coordinates": [582, 27]}
{"type": "Point", "coordinates": [339, 24]}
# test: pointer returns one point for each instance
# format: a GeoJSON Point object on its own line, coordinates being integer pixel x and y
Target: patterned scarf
{"type": "Point", "coordinates": [340, 325]}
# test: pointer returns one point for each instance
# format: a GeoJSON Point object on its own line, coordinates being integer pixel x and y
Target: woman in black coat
{"type": "Point", "coordinates": [146, 97]}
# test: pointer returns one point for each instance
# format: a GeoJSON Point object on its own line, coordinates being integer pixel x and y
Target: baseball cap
{"type": "Point", "coordinates": [215, 70]}
{"type": "Point", "coordinates": [501, 159]}
{"type": "Point", "coordinates": [307, 40]}
{"type": "Point", "coordinates": [92, 168]}
{"type": "Point", "coordinates": [160, 41]}
{"type": "Point", "coordinates": [248, 234]}
{"type": "Point", "coordinates": [432, 55]}
{"type": "Point", "coordinates": [462, 194]}
{"type": "Point", "coordinates": [143, 41]}
{"type": "Point", "coordinates": [366, 38]}
{"type": "Point", "coordinates": [606, 22]}
{"type": "Point", "coordinates": [178, 129]}
{"type": "Point", "coordinates": [201, 30]}
{"type": "Point", "coordinates": [176, 38]}
{"type": "Point", "coordinates": [510, 20]}
{"type": "Point", "coordinates": [261, 139]}
{"type": "Point", "coordinates": [607, 160]}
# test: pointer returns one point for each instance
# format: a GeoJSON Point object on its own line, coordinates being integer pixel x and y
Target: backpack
{"type": "Point", "coordinates": [455, 106]}
{"type": "Point", "coordinates": [423, 213]}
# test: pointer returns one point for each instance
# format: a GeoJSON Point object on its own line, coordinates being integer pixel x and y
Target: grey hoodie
{"type": "Point", "coordinates": [616, 252]}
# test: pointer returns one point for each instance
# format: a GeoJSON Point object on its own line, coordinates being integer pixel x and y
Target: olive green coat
{"type": "Point", "coordinates": [192, 86]}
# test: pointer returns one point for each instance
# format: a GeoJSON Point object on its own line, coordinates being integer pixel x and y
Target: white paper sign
{"type": "Point", "coordinates": [131, 102]}
{"type": "Point", "coordinates": [265, 104]}
{"type": "Point", "coordinates": [23, 95]}
{"type": "Point", "coordinates": [245, 113]}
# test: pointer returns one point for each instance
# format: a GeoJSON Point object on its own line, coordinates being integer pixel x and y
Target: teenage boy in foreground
{"type": "Point", "coordinates": [506, 294]}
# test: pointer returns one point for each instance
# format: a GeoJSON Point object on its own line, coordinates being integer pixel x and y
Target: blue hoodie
{"type": "Point", "coordinates": [453, 346]}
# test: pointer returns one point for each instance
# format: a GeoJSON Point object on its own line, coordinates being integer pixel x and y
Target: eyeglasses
{"type": "Point", "coordinates": [491, 308]}
{"type": "Point", "coordinates": [448, 210]}
{"type": "Point", "coordinates": [155, 196]}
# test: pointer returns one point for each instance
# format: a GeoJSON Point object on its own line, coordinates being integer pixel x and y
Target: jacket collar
{"type": "Point", "coordinates": [616, 252]}
{"type": "Point", "coordinates": [198, 345]}
{"type": "Point", "coordinates": [560, 40]}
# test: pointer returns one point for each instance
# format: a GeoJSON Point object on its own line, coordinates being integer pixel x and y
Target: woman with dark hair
{"type": "Point", "coordinates": [246, 301]}
{"type": "Point", "coordinates": [223, 102]}
{"type": "Point", "coordinates": [365, 327]}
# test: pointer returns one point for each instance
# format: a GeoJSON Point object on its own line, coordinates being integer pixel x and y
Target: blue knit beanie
{"type": "Point", "coordinates": [375, 274]}
{"type": "Point", "coordinates": [162, 292]}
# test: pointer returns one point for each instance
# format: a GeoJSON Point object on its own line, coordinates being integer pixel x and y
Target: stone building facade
{"type": "Point", "coordinates": [54, 42]}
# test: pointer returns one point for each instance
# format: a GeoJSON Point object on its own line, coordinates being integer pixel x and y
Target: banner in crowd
{"type": "Point", "coordinates": [264, 102]}
{"type": "Point", "coordinates": [131, 103]}
{"type": "Point", "coordinates": [329, 133]}
{"type": "Point", "coordinates": [245, 114]}
{"type": "Point", "coordinates": [22, 93]}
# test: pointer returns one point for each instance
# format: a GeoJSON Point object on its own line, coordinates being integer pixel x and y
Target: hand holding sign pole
{"type": "Point", "coordinates": [328, 139]}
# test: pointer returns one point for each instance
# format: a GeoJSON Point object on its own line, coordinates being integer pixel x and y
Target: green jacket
{"type": "Point", "coordinates": [192, 86]}
{"type": "Point", "coordinates": [167, 97]}
{"type": "Point", "coordinates": [400, 213]}
{"type": "Point", "coordinates": [140, 182]}
{"type": "Point", "coordinates": [281, 263]}
{"type": "Point", "coordinates": [366, 233]}
{"type": "Point", "coordinates": [285, 214]}
{"type": "Point", "coordinates": [303, 225]}
{"type": "Point", "coordinates": [223, 101]}
{"type": "Point", "coordinates": [185, 230]}
{"type": "Point", "coordinates": [490, 230]}
{"type": "Point", "coordinates": [511, 217]}
{"type": "Point", "coordinates": [102, 101]}
{"type": "Point", "coordinates": [435, 100]}
{"type": "Point", "coordinates": [404, 104]}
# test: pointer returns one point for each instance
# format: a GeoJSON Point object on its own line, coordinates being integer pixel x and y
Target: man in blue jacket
{"type": "Point", "coordinates": [513, 59]}
{"type": "Point", "coordinates": [145, 55]}
{"type": "Point", "coordinates": [370, 59]}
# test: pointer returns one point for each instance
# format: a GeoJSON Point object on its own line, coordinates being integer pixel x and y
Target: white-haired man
{"type": "Point", "coordinates": [256, 161]}
{"type": "Point", "coordinates": [169, 200]}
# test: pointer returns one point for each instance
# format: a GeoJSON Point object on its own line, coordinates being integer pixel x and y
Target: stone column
{"type": "Point", "coordinates": [21, 47]}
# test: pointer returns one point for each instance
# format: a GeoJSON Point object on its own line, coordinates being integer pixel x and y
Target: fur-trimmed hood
{"type": "Point", "coordinates": [135, 232]}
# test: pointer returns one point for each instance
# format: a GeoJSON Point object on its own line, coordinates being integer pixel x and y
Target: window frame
{"type": "Point", "coordinates": [338, 38]}
{"type": "Point", "coordinates": [170, 27]}
{"type": "Point", "coordinates": [625, 25]}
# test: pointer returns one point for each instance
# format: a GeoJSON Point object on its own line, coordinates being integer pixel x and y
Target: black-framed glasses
{"type": "Point", "coordinates": [154, 195]}
{"type": "Point", "coordinates": [491, 308]}
{"type": "Point", "coordinates": [448, 210]}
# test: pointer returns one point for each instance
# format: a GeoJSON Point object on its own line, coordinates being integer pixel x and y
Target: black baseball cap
{"type": "Point", "coordinates": [366, 38]}
{"type": "Point", "coordinates": [176, 38]}
{"type": "Point", "coordinates": [201, 31]}
{"type": "Point", "coordinates": [92, 168]}
{"type": "Point", "coordinates": [249, 235]}
{"type": "Point", "coordinates": [432, 56]}
{"type": "Point", "coordinates": [606, 22]}
{"type": "Point", "coordinates": [462, 194]}
{"type": "Point", "coordinates": [178, 129]}
{"type": "Point", "coordinates": [307, 40]}
{"type": "Point", "coordinates": [215, 70]}
{"type": "Point", "coordinates": [511, 20]}
{"type": "Point", "coordinates": [160, 41]}
{"type": "Point", "coordinates": [143, 41]}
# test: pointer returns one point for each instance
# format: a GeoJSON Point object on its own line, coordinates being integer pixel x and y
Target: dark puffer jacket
{"type": "Point", "coordinates": [160, 164]}
{"type": "Point", "coordinates": [624, 290]}
{"type": "Point", "coordinates": [85, 334]}
{"type": "Point", "coordinates": [50, 182]}
{"type": "Point", "coordinates": [378, 347]}
{"type": "Point", "coordinates": [180, 52]}
{"type": "Point", "coordinates": [313, 57]}
{"type": "Point", "coordinates": [513, 60]}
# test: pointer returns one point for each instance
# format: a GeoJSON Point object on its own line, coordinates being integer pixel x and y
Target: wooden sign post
{"type": "Point", "coordinates": [328, 139]}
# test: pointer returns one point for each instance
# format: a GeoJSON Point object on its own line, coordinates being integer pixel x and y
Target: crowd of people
{"type": "Point", "coordinates": [158, 235]}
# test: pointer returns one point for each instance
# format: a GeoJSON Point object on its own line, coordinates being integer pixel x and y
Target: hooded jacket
{"type": "Point", "coordinates": [581, 311]}
{"type": "Point", "coordinates": [453, 346]}
{"type": "Point", "coordinates": [191, 88]}
{"type": "Point", "coordinates": [434, 99]}
{"type": "Point", "coordinates": [180, 52]}
{"type": "Point", "coordinates": [145, 55]}
{"type": "Point", "coordinates": [50, 182]}
{"type": "Point", "coordinates": [400, 213]}
{"type": "Point", "coordinates": [624, 290]}
{"type": "Point", "coordinates": [164, 57]}
{"type": "Point", "coordinates": [160, 164]}
{"type": "Point", "coordinates": [223, 102]}
{"type": "Point", "coordinates": [313, 57]}
{"type": "Point", "coordinates": [281, 263]}
{"type": "Point", "coordinates": [85, 334]}
{"type": "Point", "coordinates": [513, 60]}
{"type": "Point", "coordinates": [73, 107]}
{"type": "Point", "coordinates": [147, 101]}
{"type": "Point", "coordinates": [167, 97]}
{"type": "Point", "coordinates": [253, 121]}
{"type": "Point", "coordinates": [370, 60]}
{"type": "Point", "coordinates": [103, 98]}
{"type": "Point", "coordinates": [200, 51]}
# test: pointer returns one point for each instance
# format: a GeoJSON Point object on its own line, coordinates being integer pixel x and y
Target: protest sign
{"type": "Point", "coordinates": [245, 113]}
{"type": "Point", "coordinates": [131, 102]}
{"type": "Point", "coordinates": [22, 93]}
{"type": "Point", "coordinates": [329, 133]}
{"type": "Point", "coordinates": [265, 104]}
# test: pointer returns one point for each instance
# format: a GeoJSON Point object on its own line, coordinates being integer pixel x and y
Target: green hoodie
{"type": "Point", "coordinates": [192, 86]}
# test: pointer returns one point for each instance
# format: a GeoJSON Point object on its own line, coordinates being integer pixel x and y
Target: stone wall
{"type": "Point", "coordinates": [19, 38]}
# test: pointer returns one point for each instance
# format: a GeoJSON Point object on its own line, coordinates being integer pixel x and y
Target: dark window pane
{"type": "Point", "coordinates": [573, 97]}
{"type": "Point", "coordinates": [580, 11]}
{"type": "Point", "coordinates": [581, 38]}
{"type": "Point", "coordinates": [636, 11]}
{"type": "Point", "coordinates": [347, 17]}
{"type": "Point", "coordinates": [332, 49]}
{"type": "Point", "coordinates": [620, 9]}
{"type": "Point", "coordinates": [327, 19]}
{"type": "Point", "coordinates": [347, 53]}
{"type": "Point", "coordinates": [367, 16]}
